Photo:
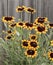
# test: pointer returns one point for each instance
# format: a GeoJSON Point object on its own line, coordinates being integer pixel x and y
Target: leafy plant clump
{"type": "Point", "coordinates": [26, 43]}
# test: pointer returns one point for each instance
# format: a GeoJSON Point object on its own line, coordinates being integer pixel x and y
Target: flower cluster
{"type": "Point", "coordinates": [31, 46]}
{"type": "Point", "coordinates": [24, 8]}
{"type": "Point", "coordinates": [50, 52]}
{"type": "Point", "coordinates": [38, 39]}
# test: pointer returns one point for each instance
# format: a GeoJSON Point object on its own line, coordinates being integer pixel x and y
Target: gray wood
{"type": "Point", "coordinates": [43, 7]}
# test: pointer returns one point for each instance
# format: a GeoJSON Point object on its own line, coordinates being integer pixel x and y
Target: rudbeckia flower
{"type": "Point", "coordinates": [25, 44]}
{"type": "Point", "coordinates": [50, 25]}
{"type": "Point", "coordinates": [30, 10]}
{"type": "Point", "coordinates": [50, 55]}
{"type": "Point", "coordinates": [9, 31]}
{"type": "Point", "coordinates": [8, 37]}
{"type": "Point", "coordinates": [20, 8]}
{"type": "Point", "coordinates": [40, 20]}
{"type": "Point", "coordinates": [41, 29]}
{"type": "Point", "coordinates": [33, 37]}
{"type": "Point", "coordinates": [31, 53]}
{"type": "Point", "coordinates": [8, 19]}
{"type": "Point", "coordinates": [33, 44]}
{"type": "Point", "coordinates": [20, 24]}
{"type": "Point", "coordinates": [12, 25]}
{"type": "Point", "coordinates": [28, 25]}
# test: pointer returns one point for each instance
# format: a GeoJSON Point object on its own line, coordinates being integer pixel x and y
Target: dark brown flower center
{"type": "Point", "coordinates": [41, 20]}
{"type": "Point", "coordinates": [51, 24]}
{"type": "Point", "coordinates": [33, 44]}
{"type": "Point", "coordinates": [12, 25]}
{"type": "Point", "coordinates": [51, 55]}
{"type": "Point", "coordinates": [29, 24]}
{"type": "Point", "coordinates": [8, 18]}
{"type": "Point", "coordinates": [9, 31]}
{"type": "Point", "coordinates": [20, 9]}
{"type": "Point", "coordinates": [25, 43]}
{"type": "Point", "coordinates": [30, 10]}
{"type": "Point", "coordinates": [33, 37]}
{"type": "Point", "coordinates": [41, 28]}
{"type": "Point", "coordinates": [34, 22]}
{"type": "Point", "coordinates": [9, 37]}
{"type": "Point", "coordinates": [21, 24]}
{"type": "Point", "coordinates": [30, 52]}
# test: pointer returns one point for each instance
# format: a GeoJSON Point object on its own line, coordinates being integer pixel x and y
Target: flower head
{"type": "Point", "coordinates": [8, 19]}
{"type": "Point", "coordinates": [41, 29]}
{"type": "Point", "coordinates": [33, 37]}
{"type": "Point", "coordinates": [30, 10]}
{"type": "Point", "coordinates": [50, 25]}
{"type": "Point", "coordinates": [28, 25]}
{"type": "Point", "coordinates": [25, 44]}
{"type": "Point", "coordinates": [40, 20]}
{"type": "Point", "coordinates": [34, 44]}
{"type": "Point", "coordinates": [20, 8]}
{"type": "Point", "coordinates": [50, 55]}
{"type": "Point", "coordinates": [9, 31]}
{"type": "Point", "coordinates": [8, 37]}
{"type": "Point", "coordinates": [20, 24]}
{"type": "Point", "coordinates": [12, 25]}
{"type": "Point", "coordinates": [31, 53]}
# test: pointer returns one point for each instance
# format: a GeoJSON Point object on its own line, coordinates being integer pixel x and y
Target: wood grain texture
{"type": "Point", "coordinates": [43, 7]}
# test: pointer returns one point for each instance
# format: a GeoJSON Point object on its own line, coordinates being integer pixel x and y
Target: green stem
{"type": "Point", "coordinates": [29, 61]}
{"type": "Point", "coordinates": [22, 33]}
{"type": "Point", "coordinates": [29, 17]}
{"type": "Point", "coordinates": [21, 15]}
